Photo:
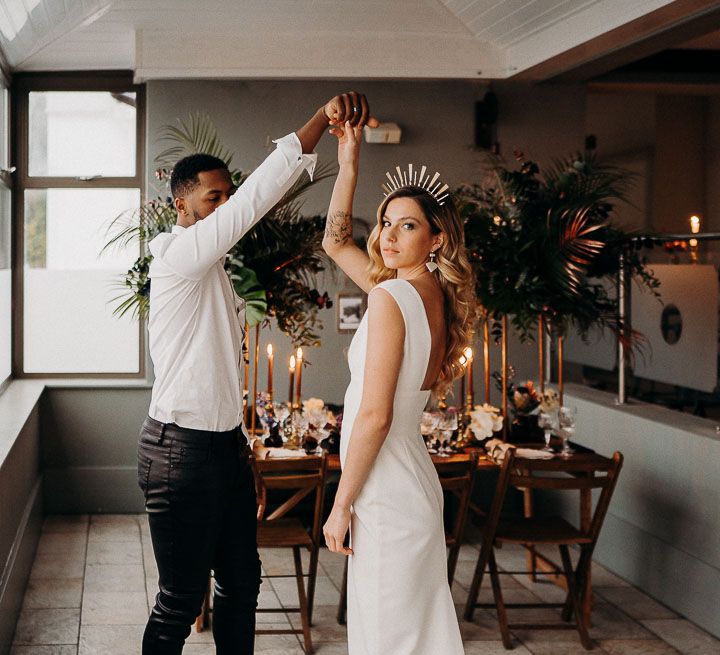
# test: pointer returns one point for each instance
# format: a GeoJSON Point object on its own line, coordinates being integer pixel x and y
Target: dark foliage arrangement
{"type": "Point", "coordinates": [273, 267]}
{"type": "Point", "coordinates": [546, 245]}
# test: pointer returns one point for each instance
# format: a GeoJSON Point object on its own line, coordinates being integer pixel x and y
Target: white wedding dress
{"type": "Point", "coordinates": [399, 600]}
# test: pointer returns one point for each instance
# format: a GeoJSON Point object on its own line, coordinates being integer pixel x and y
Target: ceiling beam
{"type": "Point", "coordinates": [658, 30]}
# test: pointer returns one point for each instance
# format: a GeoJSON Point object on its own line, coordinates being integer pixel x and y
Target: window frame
{"type": "Point", "coordinates": [22, 85]}
{"type": "Point", "coordinates": [6, 179]}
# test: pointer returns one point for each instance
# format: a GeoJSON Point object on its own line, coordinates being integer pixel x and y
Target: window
{"type": "Point", "coordinates": [79, 167]}
{"type": "Point", "coordinates": [5, 244]}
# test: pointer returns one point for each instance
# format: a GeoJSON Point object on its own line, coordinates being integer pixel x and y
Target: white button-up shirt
{"type": "Point", "coordinates": [196, 319]}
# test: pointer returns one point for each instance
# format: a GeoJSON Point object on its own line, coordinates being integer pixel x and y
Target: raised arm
{"type": "Point", "coordinates": [192, 253]}
{"type": "Point", "coordinates": [338, 242]}
{"type": "Point", "coordinates": [385, 348]}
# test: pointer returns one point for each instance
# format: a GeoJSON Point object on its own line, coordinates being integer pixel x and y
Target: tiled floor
{"type": "Point", "coordinates": [94, 577]}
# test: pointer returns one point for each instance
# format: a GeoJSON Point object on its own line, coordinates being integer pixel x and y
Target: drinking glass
{"type": "Point", "coordinates": [567, 417]}
{"type": "Point", "coordinates": [546, 422]}
{"type": "Point", "coordinates": [264, 410]}
{"type": "Point", "coordinates": [447, 425]}
{"type": "Point", "coordinates": [428, 425]}
{"type": "Point", "coordinates": [282, 413]}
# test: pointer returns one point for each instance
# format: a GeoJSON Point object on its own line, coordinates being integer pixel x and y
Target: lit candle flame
{"type": "Point", "coordinates": [468, 353]}
{"type": "Point", "coordinates": [695, 224]}
{"type": "Point", "coordinates": [299, 354]}
{"type": "Point", "coordinates": [292, 362]}
{"type": "Point", "coordinates": [269, 350]}
{"type": "Point", "coordinates": [462, 360]}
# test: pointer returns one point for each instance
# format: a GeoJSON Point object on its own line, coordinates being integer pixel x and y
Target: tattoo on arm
{"type": "Point", "coordinates": [339, 226]}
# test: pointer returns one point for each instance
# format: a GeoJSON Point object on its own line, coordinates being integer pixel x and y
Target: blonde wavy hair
{"type": "Point", "coordinates": [454, 274]}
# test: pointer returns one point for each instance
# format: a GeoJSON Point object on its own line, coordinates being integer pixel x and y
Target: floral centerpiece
{"type": "Point", "coordinates": [485, 420]}
{"type": "Point", "coordinates": [549, 401]}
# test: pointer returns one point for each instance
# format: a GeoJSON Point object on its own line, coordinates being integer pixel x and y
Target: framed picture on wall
{"type": "Point", "coordinates": [350, 310]}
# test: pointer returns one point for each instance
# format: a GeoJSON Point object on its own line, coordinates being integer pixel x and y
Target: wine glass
{"type": "Point", "coordinates": [264, 410]}
{"type": "Point", "coordinates": [567, 417]}
{"type": "Point", "coordinates": [546, 422]}
{"type": "Point", "coordinates": [428, 424]}
{"type": "Point", "coordinates": [282, 413]}
{"type": "Point", "coordinates": [447, 425]}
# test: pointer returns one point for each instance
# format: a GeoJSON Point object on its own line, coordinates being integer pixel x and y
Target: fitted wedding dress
{"type": "Point", "coordinates": [399, 601]}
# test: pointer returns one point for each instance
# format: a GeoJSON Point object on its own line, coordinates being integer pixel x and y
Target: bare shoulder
{"type": "Point", "coordinates": [383, 308]}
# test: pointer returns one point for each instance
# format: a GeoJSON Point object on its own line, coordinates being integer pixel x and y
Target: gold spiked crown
{"type": "Point", "coordinates": [411, 177]}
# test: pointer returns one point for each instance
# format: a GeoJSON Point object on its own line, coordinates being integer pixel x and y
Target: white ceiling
{"type": "Point", "coordinates": [161, 39]}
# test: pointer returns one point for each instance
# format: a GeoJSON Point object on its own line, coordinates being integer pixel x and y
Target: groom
{"type": "Point", "coordinates": [193, 455]}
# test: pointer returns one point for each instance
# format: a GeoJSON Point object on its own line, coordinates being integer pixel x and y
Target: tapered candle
{"type": "Point", "coordinates": [694, 228]}
{"type": "Point", "coordinates": [469, 372]}
{"type": "Point", "coordinates": [463, 361]}
{"type": "Point", "coordinates": [270, 357]}
{"type": "Point", "coordinates": [486, 359]}
{"type": "Point", "coordinates": [256, 365]}
{"type": "Point", "coordinates": [291, 371]}
{"type": "Point", "coordinates": [246, 376]}
{"type": "Point", "coordinates": [298, 377]}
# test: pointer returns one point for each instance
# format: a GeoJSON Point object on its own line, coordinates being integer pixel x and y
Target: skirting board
{"type": "Point", "coordinates": [92, 490]}
{"type": "Point", "coordinates": [684, 583]}
{"type": "Point", "coordinates": [16, 571]}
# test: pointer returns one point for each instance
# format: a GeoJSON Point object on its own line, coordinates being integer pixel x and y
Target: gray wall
{"type": "Point", "coordinates": [89, 446]}
{"type": "Point", "coordinates": [20, 520]}
{"type": "Point", "coordinates": [662, 532]}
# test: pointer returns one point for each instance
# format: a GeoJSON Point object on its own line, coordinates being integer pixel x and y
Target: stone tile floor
{"type": "Point", "coordinates": [94, 578]}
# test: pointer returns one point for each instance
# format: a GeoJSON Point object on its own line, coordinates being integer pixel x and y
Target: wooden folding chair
{"type": "Point", "coordinates": [581, 472]}
{"type": "Point", "coordinates": [298, 477]}
{"type": "Point", "coordinates": [456, 477]}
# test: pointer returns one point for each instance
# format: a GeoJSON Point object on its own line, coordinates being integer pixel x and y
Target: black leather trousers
{"type": "Point", "coordinates": [200, 499]}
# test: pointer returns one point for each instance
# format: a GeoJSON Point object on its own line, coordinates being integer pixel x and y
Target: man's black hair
{"type": "Point", "coordinates": [184, 177]}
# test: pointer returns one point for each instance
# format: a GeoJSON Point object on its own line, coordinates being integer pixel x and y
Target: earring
{"type": "Point", "coordinates": [431, 265]}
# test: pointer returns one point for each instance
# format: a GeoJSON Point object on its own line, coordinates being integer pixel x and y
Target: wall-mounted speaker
{"type": "Point", "coordinates": [486, 113]}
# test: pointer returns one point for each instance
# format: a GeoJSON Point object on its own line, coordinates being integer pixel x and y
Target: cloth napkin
{"type": "Point", "coordinates": [262, 452]}
{"type": "Point", "coordinates": [496, 449]}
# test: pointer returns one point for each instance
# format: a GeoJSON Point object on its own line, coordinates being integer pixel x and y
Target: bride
{"type": "Point", "coordinates": [408, 345]}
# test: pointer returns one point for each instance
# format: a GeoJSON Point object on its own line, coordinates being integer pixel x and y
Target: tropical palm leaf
{"type": "Point", "coordinates": [246, 286]}
{"type": "Point", "coordinates": [142, 224]}
{"type": "Point", "coordinates": [576, 249]}
{"type": "Point", "coordinates": [273, 267]}
{"type": "Point", "coordinates": [197, 134]}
